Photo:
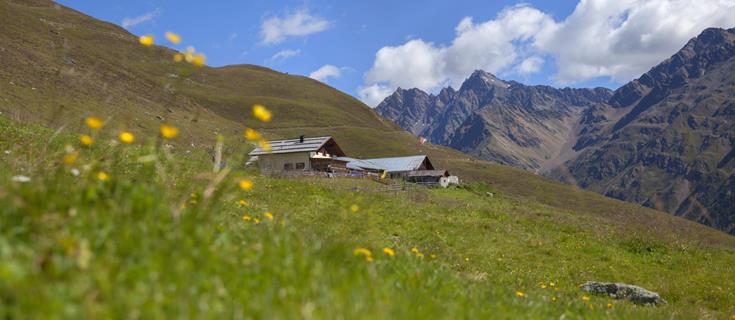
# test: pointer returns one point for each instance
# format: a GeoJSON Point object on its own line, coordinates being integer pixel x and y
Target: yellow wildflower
{"type": "Point", "coordinates": [199, 60]}
{"type": "Point", "coordinates": [520, 294]}
{"type": "Point", "coordinates": [169, 132]}
{"type": "Point", "coordinates": [252, 135]}
{"type": "Point", "coordinates": [268, 215]}
{"type": "Point", "coordinates": [242, 203]}
{"type": "Point", "coordinates": [94, 123]}
{"type": "Point", "coordinates": [178, 57]}
{"type": "Point", "coordinates": [433, 256]}
{"type": "Point", "coordinates": [354, 208]}
{"type": "Point", "coordinates": [551, 284]}
{"type": "Point", "coordinates": [420, 255]}
{"type": "Point", "coordinates": [102, 176]}
{"type": "Point", "coordinates": [542, 285]}
{"type": "Point", "coordinates": [126, 137]}
{"type": "Point", "coordinates": [245, 184]}
{"type": "Point", "coordinates": [415, 250]}
{"type": "Point", "coordinates": [389, 251]}
{"type": "Point", "coordinates": [363, 252]}
{"type": "Point", "coordinates": [246, 217]}
{"type": "Point", "coordinates": [70, 158]}
{"type": "Point", "coordinates": [585, 298]}
{"type": "Point", "coordinates": [261, 113]}
{"type": "Point", "coordinates": [263, 144]}
{"type": "Point", "coordinates": [174, 38]}
{"type": "Point", "coordinates": [609, 305]}
{"type": "Point", "coordinates": [256, 220]}
{"type": "Point", "coordinates": [146, 40]}
{"type": "Point", "coordinates": [86, 140]}
{"type": "Point", "coordinates": [553, 298]}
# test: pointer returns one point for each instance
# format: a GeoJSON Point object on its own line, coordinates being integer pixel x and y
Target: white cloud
{"type": "Point", "coordinates": [620, 39]}
{"type": "Point", "coordinates": [623, 39]}
{"type": "Point", "coordinates": [297, 24]}
{"type": "Point", "coordinates": [529, 65]}
{"type": "Point", "coordinates": [134, 21]}
{"type": "Point", "coordinates": [285, 54]}
{"type": "Point", "coordinates": [325, 72]}
{"type": "Point", "coordinates": [493, 46]}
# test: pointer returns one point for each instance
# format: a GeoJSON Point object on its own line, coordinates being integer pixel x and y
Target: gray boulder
{"type": "Point", "coordinates": [633, 293]}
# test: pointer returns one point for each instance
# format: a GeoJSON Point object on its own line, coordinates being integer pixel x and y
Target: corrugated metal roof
{"type": "Point", "coordinates": [292, 145]}
{"type": "Point", "coordinates": [359, 164]}
{"type": "Point", "coordinates": [398, 164]}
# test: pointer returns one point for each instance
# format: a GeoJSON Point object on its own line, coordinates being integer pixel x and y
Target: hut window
{"type": "Point", "coordinates": [288, 166]}
{"type": "Point", "coordinates": [300, 166]}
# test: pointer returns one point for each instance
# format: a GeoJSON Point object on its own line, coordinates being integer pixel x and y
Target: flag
{"type": "Point", "coordinates": [422, 140]}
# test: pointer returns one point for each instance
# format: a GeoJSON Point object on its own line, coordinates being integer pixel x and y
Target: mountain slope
{"type": "Point", "coordinates": [507, 122]}
{"type": "Point", "coordinates": [666, 140]}
{"type": "Point", "coordinates": [59, 66]}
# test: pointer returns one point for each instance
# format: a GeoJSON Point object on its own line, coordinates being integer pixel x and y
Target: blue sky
{"type": "Point", "coordinates": [348, 34]}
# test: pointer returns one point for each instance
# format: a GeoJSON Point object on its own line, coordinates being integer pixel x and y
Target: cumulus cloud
{"type": "Point", "coordinates": [134, 21]}
{"type": "Point", "coordinates": [529, 65]}
{"type": "Point", "coordinates": [297, 24]}
{"type": "Point", "coordinates": [619, 39]}
{"type": "Point", "coordinates": [622, 39]}
{"type": "Point", "coordinates": [325, 72]}
{"type": "Point", "coordinates": [285, 54]}
{"type": "Point", "coordinates": [493, 46]}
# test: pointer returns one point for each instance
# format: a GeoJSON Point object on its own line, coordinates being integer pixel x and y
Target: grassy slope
{"type": "Point", "coordinates": [60, 65]}
{"type": "Point", "coordinates": [149, 243]}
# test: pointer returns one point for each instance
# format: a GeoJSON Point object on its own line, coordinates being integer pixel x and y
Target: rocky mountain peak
{"type": "Point", "coordinates": [481, 80]}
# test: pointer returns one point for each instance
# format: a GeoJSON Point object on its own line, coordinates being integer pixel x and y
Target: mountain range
{"type": "Point", "coordinates": [665, 140]}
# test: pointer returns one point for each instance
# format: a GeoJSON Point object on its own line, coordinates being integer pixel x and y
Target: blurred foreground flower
{"type": "Point", "coordinates": [146, 40]}
{"type": "Point", "coordinates": [252, 135]}
{"type": "Point", "coordinates": [94, 123]}
{"type": "Point", "coordinates": [169, 132]}
{"type": "Point", "coordinates": [126, 137]}
{"type": "Point", "coordinates": [70, 158]}
{"type": "Point", "coordinates": [86, 140]}
{"type": "Point", "coordinates": [364, 252]}
{"type": "Point", "coordinates": [199, 60]}
{"type": "Point", "coordinates": [245, 184]}
{"type": "Point", "coordinates": [174, 38]}
{"type": "Point", "coordinates": [261, 113]}
{"type": "Point", "coordinates": [102, 176]}
{"type": "Point", "coordinates": [268, 215]}
{"type": "Point", "coordinates": [265, 145]}
{"type": "Point", "coordinates": [178, 57]}
{"type": "Point", "coordinates": [520, 294]}
{"type": "Point", "coordinates": [389, 251]}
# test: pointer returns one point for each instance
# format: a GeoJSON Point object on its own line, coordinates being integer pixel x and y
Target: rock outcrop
{"type": "Point", "coordinates": [629, 292]}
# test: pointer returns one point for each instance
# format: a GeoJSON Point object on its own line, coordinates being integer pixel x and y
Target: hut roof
{"type": "Point", "coordinates": [295, 145]}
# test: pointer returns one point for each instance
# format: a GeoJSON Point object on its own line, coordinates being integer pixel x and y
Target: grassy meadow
{"type": "Point", "coordinates": [159, 234]}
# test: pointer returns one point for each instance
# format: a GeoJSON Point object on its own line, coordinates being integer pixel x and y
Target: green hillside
{"type": "Point", "coordinates": [161, 236]}
{"type": "Point", "coordinates": [164, 237]}
{"type": "Point", "coordinates": [61, 66]}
